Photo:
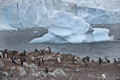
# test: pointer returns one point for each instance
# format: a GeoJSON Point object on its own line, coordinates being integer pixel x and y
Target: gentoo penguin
{"type": "Point", "coordinates": [104, 76]}
{"type": "Point", "coordinates": [49, 50]}
{"type": "Point", "coordinates": [41, 52]}
{"type": "Point", "coordinates": [46, 70]}
{"type": "Point", "coordinates": [14, 52]}
{"type": "Point", "coordinates": [23, 53]}
{"type": "Point", "coordinates": [92, 60]}
{"type": "Point", "coordinates": [107, 60]}
{"type": "Point", "coordinates": [84, 63]}
{"type": "Point", "coordinates": [88, 58]}
{"type": "Point", "coordinates": [11, 59]}
{"type": "Point", "coordinates": [100, 60]}
{"type": "Point", "coordinates": [21, 60]}
{"type": "Point", "coordinates": [36, 50]}
{"type": "Point", "coordinates": [115, 60]}
{"type": "Point", "coordinates": [1, 55]}
{"type": "Point", "coordinates": [6, 55]}
{"type": "Point", "coordinates": [5, 51]}
{"type": "Point", "coordinates": [74, 57]}
{"type": "Point", "coordinates": [41, 60]}
{"type": "Point", "coordinates": [54, 58]}
{"type": "Point", "coordinates": [43, 48]}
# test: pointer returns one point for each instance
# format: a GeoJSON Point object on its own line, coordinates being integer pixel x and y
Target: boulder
{"type": "Point", "coordinates": [25, 64]}
{"type": "Point", "coordinates": [1, 64]}
{"type": "Point", "coordinates": [5, 74]}
{"type": "Point", "coordinates": [57, 72]}
{"type": "Point", "coordinates": [22, 71]}
{"type": "Point", "coordinates": [32, 65]}
{"type": "Point", "coordinates": [13, 68]}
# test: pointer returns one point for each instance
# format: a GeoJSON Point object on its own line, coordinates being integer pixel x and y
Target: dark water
{"type": "Point", "coordinates": [19, 40]}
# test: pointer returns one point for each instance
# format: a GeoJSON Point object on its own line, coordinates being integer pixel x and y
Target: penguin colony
{"type": "Point", "coordinates": [38, 57]}
{"type": "Point", "coordinates": [11, 55]}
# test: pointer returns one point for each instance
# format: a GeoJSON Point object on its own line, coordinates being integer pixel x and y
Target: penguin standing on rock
{"type": "Point", "coordinates": [43, 48]}
{"type": "Point", "coordinates": [11, 59]}
{"type": "Point", "coordinates": [23, 53]}
{"type": "Point", "coordinates": [5, 51]}
{"type": "Point", "coordinates": [41, 60]}
{"type": "Point", "coordinates": [36, 50]}
{"type": "Point", "coordinates": [88, 58]}
{"type": "Point", "coordinates": [1, 55]}
{"type": "Point", "coordinates": [41, 52]}
{"type": "Point", "coordinates": [84, 63]}
{"type": "Point", "coordinates": [115, 60]}
{"type": "Point", "coordinates": [100, 60]}
{"type": "Point", "coordinates": [46, 70]}
{"type": "Point", "coordinates": [49, 50]}
{"type": "Point", "coordinates": [6, 55]}
{"type": "Point", "coordinates": [107, 60]}
{"type": "Point", "coordinates": [21, 60]}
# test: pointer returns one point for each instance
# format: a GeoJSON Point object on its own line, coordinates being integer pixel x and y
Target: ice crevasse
{"type": "Point", "coordinates": [68, 28]}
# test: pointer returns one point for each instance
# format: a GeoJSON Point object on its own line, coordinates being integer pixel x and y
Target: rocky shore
{"type": "Point", "coordinates": [43, 64]}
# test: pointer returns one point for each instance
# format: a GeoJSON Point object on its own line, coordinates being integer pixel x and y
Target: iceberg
{"type": "Point", "coordinates": [68, 28]}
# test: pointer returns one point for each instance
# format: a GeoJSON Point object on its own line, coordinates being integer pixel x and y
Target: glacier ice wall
{"type": "Point", "coordinates": [37, 13]}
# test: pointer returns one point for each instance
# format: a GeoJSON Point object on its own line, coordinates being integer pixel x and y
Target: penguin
{"type": "Point", "coordinates": [36, 50]}
{"type": "Point", "coordinates": [49, 50]}
{"type": "Point", "coordinates": [21, 60]}
{"type": "Point", "coordinates": [1, 55]}
{"type": "Point", "coordinates": [46, 70]}
{"type": "Point", "coordinates": [41, 60]}
{"type": "Point", "coordinates": [6, 55]}
{"type": "Point", "coordinates": [23, 53]}
{"type": "Point", "coordinates": [5, 51]}
{"type": "Point", "coordinates": [74, 58]}
{"type": "Point", "coordinates": [11, 59]}
{"type": "Point", "coordinates": [54, 58]}
{"type": "Point", "coordinates": [118, 60]}
{"type": "Point", "coordinates": [100, 60]}
{"type": "Point", "coordinates": [114, 60]}
{"type": "Point", "coordinates": [88, 58]}
{"type": "Point", "coordinates": [14, 52]}
{"type": "Point", "coordinates": [84, 63]}
{"type": "Point", "coordinates": [43, 48]}
{"type": "Point", "coordinates": [93, 60]}
{"type": "Point", "coordinates": [107, 60]}
{"type": "Point", "coordinates": [41, 52]}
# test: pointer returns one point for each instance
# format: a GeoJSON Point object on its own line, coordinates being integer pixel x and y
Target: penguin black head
{"type": "Point", "coordinates": [36, 50]}
{"type": "Point", "coordinates": [14, 52]}
{"type": "Point", "coordinates": [5, 51]}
